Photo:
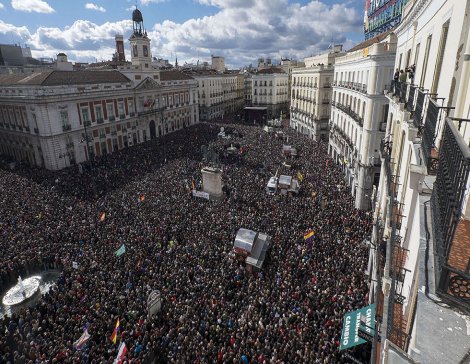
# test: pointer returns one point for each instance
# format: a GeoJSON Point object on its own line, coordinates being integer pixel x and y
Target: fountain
{"type": "Point", "coordinates": [22, 291]}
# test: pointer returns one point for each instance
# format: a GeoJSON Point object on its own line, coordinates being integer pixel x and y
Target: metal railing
{"type": "Point", "coordinates": [411, 98]}
{"type": "Point", "coordinates": [446, 206]}
{"type": "Point", "coordinates": [429, 136]}
{"type": "Point", "coordinates": [418, 110]}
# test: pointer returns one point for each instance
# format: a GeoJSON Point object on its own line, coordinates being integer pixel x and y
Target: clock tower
{"type": "Point", "coordinates": [140, 43]}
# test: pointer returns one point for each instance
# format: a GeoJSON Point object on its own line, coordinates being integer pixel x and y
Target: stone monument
{"type": "Point", "coordinates": [212, 174]}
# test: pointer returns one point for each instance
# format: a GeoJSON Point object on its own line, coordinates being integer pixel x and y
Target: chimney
{"type": "Point", "coordinates": [120, 47]}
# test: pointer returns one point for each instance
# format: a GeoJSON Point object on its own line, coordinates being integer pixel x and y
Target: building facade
{"type": "Point", "coordinates": [55, 119]}
{"type": "Point", "coordinates": [219, 94]}
{"type": "Point", "coordinates": [359, 113]}
{"type": "Point", "coordinates": [270, 90]}
{"type": "Point", "coordinates": [420, 245]}
{"type": "Point", "coordinates": [311, 95]}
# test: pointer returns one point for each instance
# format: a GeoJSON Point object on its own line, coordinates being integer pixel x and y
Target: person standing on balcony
{"type": "Point", "coordinates": [396, 75]}
{"type": "Point", "coordinates": [402, 77]}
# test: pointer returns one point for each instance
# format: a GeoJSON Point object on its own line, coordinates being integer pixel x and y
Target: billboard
{"type": "Point", "coordinates": [381, 15]}
{"type": "Point", "coordinates": [362, 319]}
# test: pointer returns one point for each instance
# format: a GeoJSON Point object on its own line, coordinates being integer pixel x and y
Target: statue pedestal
{"type": "Point", "coordinates": [212, 182]}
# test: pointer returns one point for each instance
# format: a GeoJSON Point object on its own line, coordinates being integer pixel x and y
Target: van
{"type": "Point", "coordinates": [271, 187]}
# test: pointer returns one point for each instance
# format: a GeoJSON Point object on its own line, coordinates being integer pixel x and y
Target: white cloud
{"type": "Point", "coordinates": [92, 6]}
{"type": "Point", "coordinates": [13, 30]}
{"type": "Point", "coordinates": [131, 8]}
{"type": "Point", "coordinates": [146, 2]}
{"type": "Point", "coordinates": [275, 29]}
{"type": "Point", "coordinates": [2, 6]}
{"type": "Point", "coordinates": [37, 6]}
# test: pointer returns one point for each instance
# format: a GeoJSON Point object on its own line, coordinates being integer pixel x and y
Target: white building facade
{"type": "Point", "coordinates": [359, 113]}
{"type": "Point", "coordinates": [270, 90]}
{"type": "Point", "coordinates": [219, 94]}
{"type": "Point", "coordinates": [55, 119]}
{"type": "Point", "coordinates": [420, 246]}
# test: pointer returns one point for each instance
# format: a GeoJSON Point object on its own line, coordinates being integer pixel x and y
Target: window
{"type": "Point", "coordinates": [110, 109]}
{"type": "Point", "coordinates": [440, 57]}
{"type": "Point", "coordinates": [64, 117]}
{"type": "Point", "coordinates": [416, 54]}
{"type": "Point", "coordinates": [425, 61]}
{"type": "Point", "coordinates": [85, 114]}
{"type": "Point", "coordinates": [146, 51]}
{"type": "Point", "coordinates": [122, 112]}
{"type": "Point", "coordinates": [130, 105]}
{"type": "Point", "coordinates": [98, 113]}
{"type": "Point", "coordinates": [135, 51]}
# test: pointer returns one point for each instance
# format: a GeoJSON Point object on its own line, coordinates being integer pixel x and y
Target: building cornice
{"type": "Point", "coordinates": [415, 13]}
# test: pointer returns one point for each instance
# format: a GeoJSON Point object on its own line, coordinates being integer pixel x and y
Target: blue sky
{"type": "Point", "coordinates": [239, 30]}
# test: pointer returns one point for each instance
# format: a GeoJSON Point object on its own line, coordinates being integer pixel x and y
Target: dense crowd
{"type": "Point", "coordinates": [213, 310]}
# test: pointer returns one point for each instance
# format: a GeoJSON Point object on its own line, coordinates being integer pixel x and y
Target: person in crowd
{"type": "Point", "coordinates": [214, 310]}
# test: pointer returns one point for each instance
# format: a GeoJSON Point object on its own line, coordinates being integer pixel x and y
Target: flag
{"type": "Point", "coordinates": [120, 251]}
{"type": "Point", "coordinates": [142, 198]}
{"type": "Point", "coordinates": [121, 354]}
{"type": "Point", "coordinates": [102, 216]}
{"type": "Point", "coordinates": [299, 176]}
{"type": "Point", "coordinates": [80, 343]}
{"type": "Point", "coordinates": [113, 337]}
{"type": "Point", "coordinates": [193, 185]}
{"type": "Point", "coordinates": [308, 235]}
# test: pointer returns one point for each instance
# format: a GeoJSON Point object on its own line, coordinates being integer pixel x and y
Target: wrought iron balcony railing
{"type": "Point", "coordinates": [429, 136]}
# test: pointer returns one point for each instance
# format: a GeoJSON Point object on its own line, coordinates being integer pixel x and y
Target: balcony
{"type": "Point", "coordinates": [131, 114]}
{"type": "Point", "coordinates": [122, 116]}
{"type": "Point", "coordinates": [87, 123]}
{"type": "Point", "coordinates": [452, 252]}
{"type": "Point", "coordinates": [111, 118]}
{"type": "Point", "coordinates": [430, 155]}
{"type": "Point", "coordinates": [100, 121]}
{"type": "Point", "coordinates": [66, 127]}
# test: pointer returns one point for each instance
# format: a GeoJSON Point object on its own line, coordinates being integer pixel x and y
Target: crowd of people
{"type": "Point", "coordinates": [213, 310]}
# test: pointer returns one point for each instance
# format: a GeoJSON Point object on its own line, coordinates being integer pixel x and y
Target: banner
{"type": "Point", "coordinates": [120, 251]}
{"type": "Point", "coordinates": [200, 194]}
{"type": "Point", "coordinates": [363, 319]}
{"type": "Point", "coordinates": [154, 303]}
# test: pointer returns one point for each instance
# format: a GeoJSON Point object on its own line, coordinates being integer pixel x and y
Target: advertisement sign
{"type": "Point", "coordinates": [381, 15]}
{"type": "Point", "coordinates": [363, 319]}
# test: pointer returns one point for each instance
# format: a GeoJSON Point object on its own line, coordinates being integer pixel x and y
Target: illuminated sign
{"type": "Point", "coordinates": [381, 15]}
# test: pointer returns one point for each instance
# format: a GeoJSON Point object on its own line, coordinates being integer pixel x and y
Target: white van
{"type": "Point", "coordinates": [271, 187]}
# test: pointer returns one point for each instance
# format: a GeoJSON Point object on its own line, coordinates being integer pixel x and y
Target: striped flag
{"type": "Point", "coordinates": [308, 235]}
{"type": "Point", "coordinates": [80, 343]}
{"type": "Point", "coordinates": [121, 354]}
{"type": "Point", "coordinates": [113, 337]}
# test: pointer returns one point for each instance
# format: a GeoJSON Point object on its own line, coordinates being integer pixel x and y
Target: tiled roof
{"type": "Point", "coordinates": [57, 78]}
{"type": "Point", "coordinates": [371, 41]}
{"type": "Point", "coordinates": [174, 76]}
{"type": "Point", "coordinates": [272, 70]}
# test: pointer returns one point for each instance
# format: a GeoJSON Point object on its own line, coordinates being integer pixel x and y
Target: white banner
{"type": "Point", "coordinates": [201, 194]}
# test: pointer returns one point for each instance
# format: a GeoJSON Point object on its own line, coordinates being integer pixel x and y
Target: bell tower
{"type": "Point", "coordinates": [140, 43]}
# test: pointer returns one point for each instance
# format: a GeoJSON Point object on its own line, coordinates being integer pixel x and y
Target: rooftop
{"type": "Point", "coordinates": [174, 76]}
{"type": "Point", "coordinates": [57, 78]}
{"type": "Point", "coordinates": [371, 41]}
